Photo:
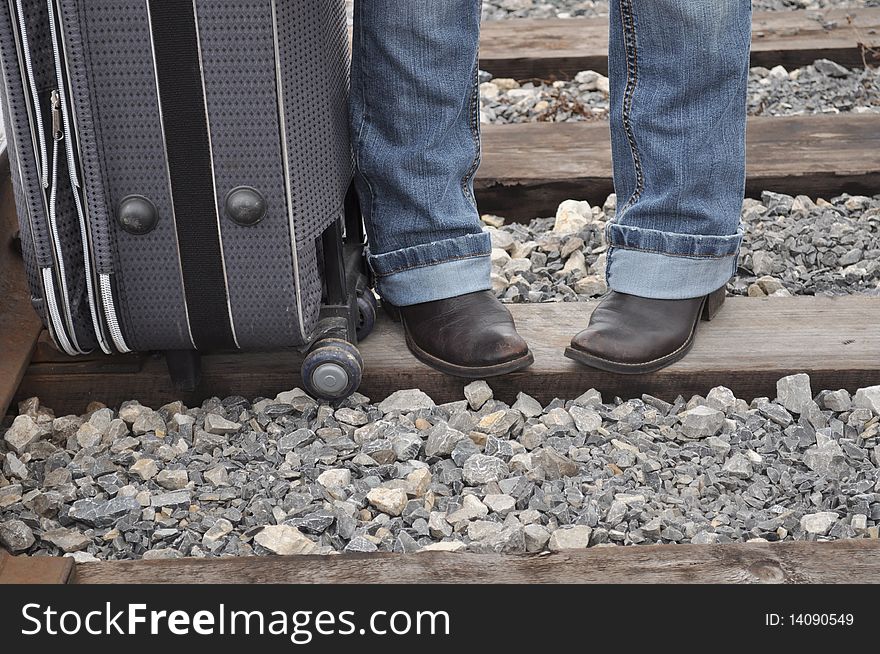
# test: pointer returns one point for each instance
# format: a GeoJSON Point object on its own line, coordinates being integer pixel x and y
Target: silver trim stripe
{"type": "Point", "coordinates": [75, 184]}
{"type": "Point", "coordinates": [287, 182]}
{"type": "Point", "coordinates": [110, 314]}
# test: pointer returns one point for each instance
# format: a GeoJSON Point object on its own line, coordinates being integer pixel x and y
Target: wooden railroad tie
{"type": "Point", "coordinates": [561, 48]}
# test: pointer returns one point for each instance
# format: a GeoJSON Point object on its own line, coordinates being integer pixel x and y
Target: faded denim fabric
{"type": "Point", "coordinates": [678, 73]}
{"type": "Point", "coordinates": [416, 131]}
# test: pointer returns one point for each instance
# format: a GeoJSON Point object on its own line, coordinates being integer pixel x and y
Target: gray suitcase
{"type": "Point", "coordinates": [181, 169]}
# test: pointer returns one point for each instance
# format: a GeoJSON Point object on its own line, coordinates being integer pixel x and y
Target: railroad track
{"type": "Point", "coordinates": [527, 170]}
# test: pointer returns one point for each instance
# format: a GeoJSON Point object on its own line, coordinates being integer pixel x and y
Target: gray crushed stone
{"type": "Point", "coordinates": [791, 246]}
{"type": "Point", "coordinates": [823, 87]}
{"type": "Point", "coordinates": [507, 9]}
{"type": "Point", "coordinates": [411, 475]}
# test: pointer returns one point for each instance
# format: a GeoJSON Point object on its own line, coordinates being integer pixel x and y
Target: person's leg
{"type": "Point", "coordinates": [416, 133]}
{"type": "Point", "coordinates": [678, 71]}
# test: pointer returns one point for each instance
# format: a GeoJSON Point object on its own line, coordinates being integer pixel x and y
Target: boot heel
{"type": "Point", "coordinates": [713, 303]}
{"type": "Point", "coordinates": [392, 311]}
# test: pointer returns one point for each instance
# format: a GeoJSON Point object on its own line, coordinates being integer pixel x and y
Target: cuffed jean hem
{"type": "Point", "coordinates": [434, 271]}
{"type": "Point", "coordinates": [667, 266]}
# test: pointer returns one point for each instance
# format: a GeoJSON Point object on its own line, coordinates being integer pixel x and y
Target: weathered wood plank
{"type": "Point", "coordinates": [19, 324]}
{"type": "Point", "coordinates": [854, 561]}
{"type": "Point", "coordinates": [748, 346]}
{"type": "Point", "coordinates": [559, 49]}
{"type": "Point", "coordinates": [528, 169]}
{"type": "Point", "coordinates": [35, 570]}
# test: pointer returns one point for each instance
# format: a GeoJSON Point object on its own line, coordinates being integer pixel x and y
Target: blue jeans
{"type": "Point", "coordinates": [678, 72]}
{"type": "Point", "coordinates": [416, 130]}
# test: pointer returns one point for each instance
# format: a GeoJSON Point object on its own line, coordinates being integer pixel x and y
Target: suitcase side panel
{"type": "Point", "coordinates": [238, 62]}
{"type": "Point", "coordinates": [125, 107]}
{"type": "Point", "coordinates": [314, 67]}
{"type": "Point", "coordinates": [88, 139]}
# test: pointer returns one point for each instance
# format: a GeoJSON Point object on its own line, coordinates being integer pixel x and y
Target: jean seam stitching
{"type": "Point", "coordinates": [473, 106]}
{"type": "Point", "coordinates": [359, 140]}
{"type": "Point", "coordinates": [632, 73]}
{"type": "Point", "coordinates": [462, 257]}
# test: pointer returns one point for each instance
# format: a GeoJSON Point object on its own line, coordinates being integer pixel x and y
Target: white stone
{"type": "Point", "coordinates": [418, 482]}
{"type": "Point", "coordinates": [587, 420]}
{"type": "Point", "coordinates": [388, 500]}
{"type": "Point", "coordinates": [500, 503]}
{"type": "Point", "coordinates": [591, 285]}
{"type": "Point", "coordinates": [406, 401]}
{"type": "Point", "coordinates": [23, 432]}
{"type": "Point", "coordinates": [82, 557]}
{"type": "Point", "coordinates": [285, 540]}
{"type": "Point", "coordinates": [576, 263]}
{"type": "Point", "coordinates": [572, 216]}
{"type": "Point", "coordinates": [471, 509]}
{"type": "Point", "coordinates": [216, 533]}
{"type": "Point", "coordinates": [477, 394]}
{"type": "Point", "coordinates": [527, 405]}
{"type": "Point", "coordinates": [536, 537]}
{"type": "Point", "coordinates": [335, 478]}
{"type": "Point", "coordinates": [149, 421]}
{"type": "Point", "coordinates": [145, 468]}
{"type": "Point", "coordinates": [818, 523]}
{"type": "Point", "coordinates": [172, 479]}
{"type": "Point", "coordinates": [88, 435]}
{"type": "Point", "coordinates": [569, 538]}
{"type": "Point", "coordinates": [721, 398]}
{"type": "Point", "coordinates": [702, 422]}
{"type": "Point", "coordinates": [868, 398]}
{"type": "Point", "coordinates": [481, 469]}
{"type": "Point", "coordinates": [218, 476]}
{"type": "Point", "coordinates": [794, 392]}
{"type": "Point", "coordinates": [219, 425]}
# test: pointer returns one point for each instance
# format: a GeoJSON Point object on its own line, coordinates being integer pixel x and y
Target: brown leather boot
{"type": "Point", "coordinates": [630, 334]}
{"type": "Point", "coordinates": [471, 335]}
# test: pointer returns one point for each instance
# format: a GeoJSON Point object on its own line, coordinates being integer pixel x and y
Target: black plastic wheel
{"type": "Point", "coordinates": [368, 307]}
{"type": "Point", "coordinates": [332, 370]}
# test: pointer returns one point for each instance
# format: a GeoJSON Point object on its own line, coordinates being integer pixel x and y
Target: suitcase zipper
{"type": "Point", "coordinates": [110, 314]}
{"type": "Point", "coordinates": [61, 127]}
{"type": "Point", "coordinates": [57, 137]}
{"type": "Point", "coordinates": [65, 340]}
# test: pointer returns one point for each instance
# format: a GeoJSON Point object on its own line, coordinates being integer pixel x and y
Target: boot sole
{"type": "Point", "coordinates": [455, 370]}
{"type": "Point", "coordinates": [710, 307]}
{"type": "Point", "coordinates": [468, 372]}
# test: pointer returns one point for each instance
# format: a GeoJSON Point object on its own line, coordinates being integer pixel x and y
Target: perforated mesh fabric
{"type": "Point", "coordinates": [88, 140]}
{"type": "Point", "coordinates": [238, 58]}
{"type": "Point", "coordinates": [314, 70]}
{"type": "Point", "coordinates": [116, 39]}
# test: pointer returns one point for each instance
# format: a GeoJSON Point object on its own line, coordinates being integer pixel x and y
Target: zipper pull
{"type": "Point", "coordinates": [57, 123]}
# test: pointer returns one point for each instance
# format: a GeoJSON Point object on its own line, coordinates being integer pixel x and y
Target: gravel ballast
{"type": "Point", "coordinates": [791, 246]}
{"type": "Point", "coordinates": [823, 87]}
{"type": "Point", "coordinates": [506, 9]}
{"type": "Point", "coordinates": [406, 475]}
